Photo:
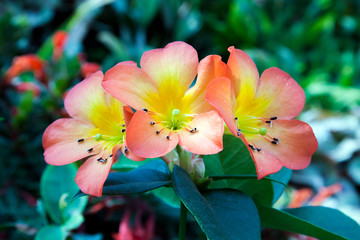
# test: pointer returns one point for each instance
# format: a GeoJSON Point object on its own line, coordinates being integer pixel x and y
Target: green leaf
{"type": "Point", "coordinates": [235, 159]}
{"type": "Point", "coordinates": [57, 184]}
{"type": "Point", "coordinates": [147, 177]}
{"type": "Point", "coordinates": [51, 233]}
{"type": "Point", "coordinates": [167, 195]}
{"type": "Point", "coordinates": [221, 214]}
{"type": "Point", "coordinates": [319, 222]}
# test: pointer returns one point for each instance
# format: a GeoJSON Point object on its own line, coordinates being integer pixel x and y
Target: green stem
{"type": "Point", "coordinates": [182, 224]}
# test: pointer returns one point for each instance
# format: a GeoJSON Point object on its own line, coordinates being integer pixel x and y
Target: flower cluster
{"type": "Point", "coordinates": [168, 112]}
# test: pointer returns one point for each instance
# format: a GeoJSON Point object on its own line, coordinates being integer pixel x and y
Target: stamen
{"type": "Point", "coordinates": [145, 110]}
{"type": "Point", "coordinates": [276, 139]}
{"type": "Point", "coordinates": [258, 149]}
{"type": "Point", "coordinates": [123, 125]}
{"type": "Point", "coordinates": [238, 132]}
{"type": "Point", "coordinates": [110, 156]}
{"type": "Point", "coordinates": [123, 130]}
{"type": "Point", "coordinates": [193, 130]}
{"type": "Point", "coordinates": [126, 150]}
{"type": "Point", "coordinates": [236, 118]}
{"type": "Point", "coordinates": [268, 121]}
{"type": "Point", "coordinates": [274, 142]}
{"type": "Point", "coordinates": [274, 118]}
{"type": "Point", "coordinates": [252, 147]}
{"type": "Point", "coordinates": [90, 150]}
{"type": "Point", "coordinates": [158, 132]}
{"type": "Point", "coordinates": [102, 160]}
{"type": "Point", "coordinates": [168, 137]}
{"type": "Point", "coordinates": [152, 123]}
{"type": "Point", "coordinates": [80, 140]}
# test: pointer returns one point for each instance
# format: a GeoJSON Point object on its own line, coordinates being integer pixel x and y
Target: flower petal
{"type": "Point", "coordinates": [82, 99]}
{"type": "Point", "coordinates": [92, 174]}
{"type": "Point", "coordinates": [210, 67]}
{"type": "Point", "coordinates": [61, 145]}
{"type": "Point", "coordinates": [279, 94]}
{"type": "Point", "coordinates": [220, 94]}
{"type": "Point", "coordinates": [129, 154]}
{"type": "Point", "coordinates": [142, 139]}
{"type": "Point", "coordinates": [130, 85]}
{"type": "Point", "coordinates": [207, 139]}
{"type": "Point", "coordinates": [128, 114]}
{"type": "Point", "coordinates": [245, 74]}
{"type": "Point", "coordinates": [295, 148]}
{"type": "Point", "coordinates": [265, 163]}
{"type": "Point", "coordinates": [172, 67]}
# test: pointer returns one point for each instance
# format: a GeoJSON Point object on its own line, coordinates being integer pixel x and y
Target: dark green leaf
{"type": "Point", "coordinates": [221, 214]}
{"type": "Point", "coordinates": [235, 159]}
{"type": "Point", "coordinates": [319, 222]}
{"type": "Point", "coordinates": [147, 177]}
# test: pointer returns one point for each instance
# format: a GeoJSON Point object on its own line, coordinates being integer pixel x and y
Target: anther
{"type": "Point", "coordinates": [274, 142]}
{"type": "Point", "coordinates": [268, 121]}
{"type": "Point", "coordinates": [110, 156]}
{"type": "Point", "coordinates": [145, 110]}
{"type": "Point", "coordinates": [238, 129]}
{"type": "Point", "coordinates": [252, 147]}
{"type": "Point", "coordinates": [123, 125]}
{"type": "Point", "coordinates": [236, 118]}
{"type": "Point", "coordinates": [157, 132]}
{"type": "Point", "coordinates": [274, 118]}
{"type": "Point", "coordinates": [80, 140]}
{"type": "Point", "coordinates": [90, 150]}
{"type": "Point", "coordinates": [258, 149]}
{"type": "Point", "coordinates": [276, 139]}
{"type": "Point", "coordinates": [126, 150]}
{"type": "Point", "coordinates": [152, 123]}
{"type": "Point", "coordinates": [123, 130]}
{"type": "Point", "coordinates": [100, 158]}
{"type": "Point", "coordinates": [168, 137]}
{"type": "Point", "coordinates": [193, 130]}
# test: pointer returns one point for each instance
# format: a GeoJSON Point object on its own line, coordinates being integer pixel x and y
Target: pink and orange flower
{"type": "Point", "coordinates": [95, 132]}
{"type": "Point", "coordinates": [168, 112]}
{"type": "Point", "coordinates": [261, 112]}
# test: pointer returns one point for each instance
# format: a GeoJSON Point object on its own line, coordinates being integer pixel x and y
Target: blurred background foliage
{"type": "Point", "coordinates": [315, 41]}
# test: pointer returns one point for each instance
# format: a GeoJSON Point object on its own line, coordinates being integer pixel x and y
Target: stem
{"type": "Point", "coordinates": [165, 159]}
{"type": "Point", "coordinates": [182, 224]}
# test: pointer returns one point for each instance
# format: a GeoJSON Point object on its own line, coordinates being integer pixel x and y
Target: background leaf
{"type": "Point", "coordinates": [319, 222]}
{"type": "Point", "coordinates": [56, 188]}
{"type": "Point", "coordinates": [51, 233]}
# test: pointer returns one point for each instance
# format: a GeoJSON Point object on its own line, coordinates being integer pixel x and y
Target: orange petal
{"type": "Point", "coordinates": [129, 154]}
{"type": "Point", "coordinates": [265, 163]}
{"type": "Point", "coordinates": [210, 67]}
{"type": "Point", "coordinates": [295, 148]}
{"type": "Point", "coordinates": [172, 67]}
{"type": "Point", "coordinates": [220, 94]}
{"type": "Point", "coordinates": [142, 139]}
{"type": "Point", "coordinates": [60, 141]}
{"type": "Point", "coordinates": [92, 174]}
{"type": "Point", "coordinates": [207, 139]}
{"type": "Point", "coordinates": [128, 114]}
{"type": "Point", "coordinates": [81, 100]}
{"type": "Point", "coordinates": [245, 75]}
{"type": "Point", "coordinates": [279, 94]}
{"type": "Point", "coordinates": [130, 85]}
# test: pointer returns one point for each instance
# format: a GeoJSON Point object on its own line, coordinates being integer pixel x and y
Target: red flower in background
{"type": "Point", "coordinates": [59, 40]}
{"type": "Point", "coordinates": [27, 63]}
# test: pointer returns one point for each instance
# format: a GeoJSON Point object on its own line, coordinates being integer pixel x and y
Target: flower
{"type": "Point", "coordinates": [260, 112]}
{"type": "Point", "coordinates": [59, 40]}
{"type": "Point", "coordinates": [95, 132]}
{"type": "Point", "coordinates": [168, 113]}
{"type": "Point", "coordinates": [27, 63]}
